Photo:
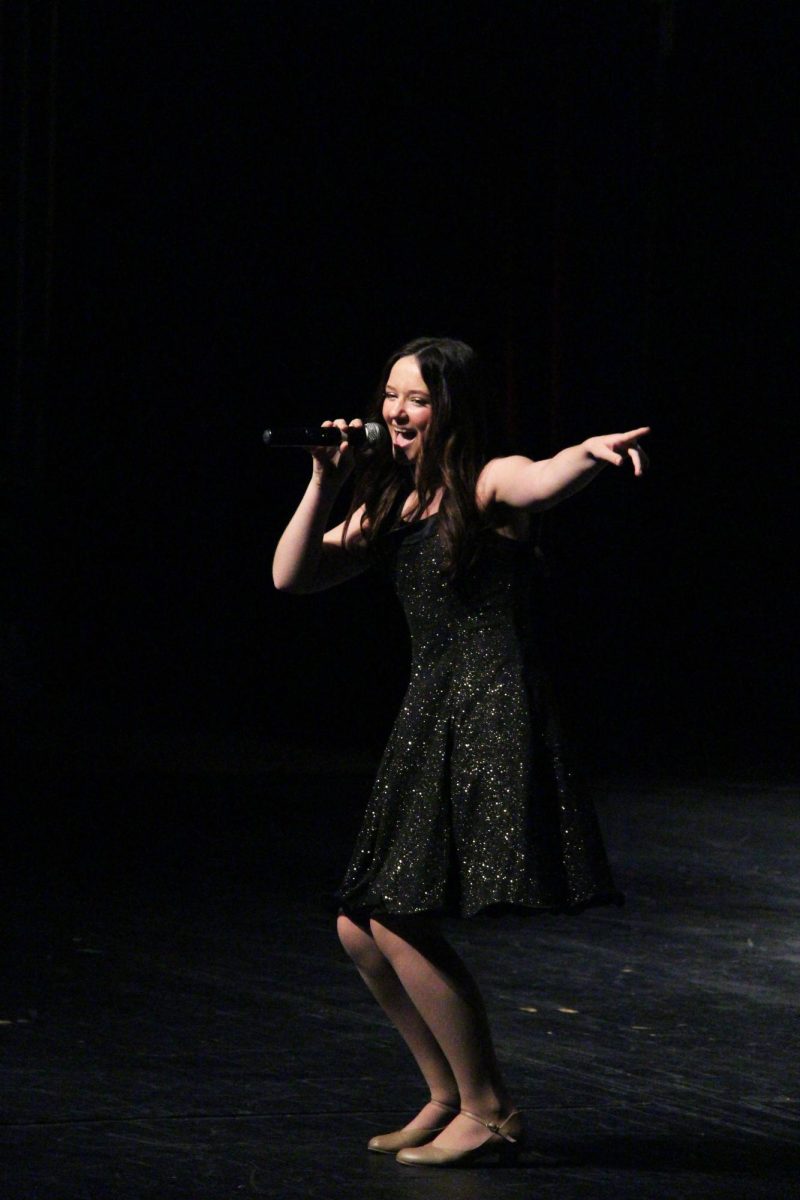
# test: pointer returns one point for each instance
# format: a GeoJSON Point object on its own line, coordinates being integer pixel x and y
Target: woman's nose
{"type": "Point", "coordinates": [397, 411]}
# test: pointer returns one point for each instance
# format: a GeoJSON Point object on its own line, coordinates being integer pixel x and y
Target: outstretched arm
{"type": "Point", "coordinates": [522, 483]}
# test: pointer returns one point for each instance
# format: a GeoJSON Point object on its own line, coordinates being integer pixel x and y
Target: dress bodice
{"type": "Point", "coordinates": [493, 597]}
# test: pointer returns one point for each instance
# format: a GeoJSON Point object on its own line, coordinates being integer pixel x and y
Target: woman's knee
{"type": "Point", "coordinates": [396, 935]}
{"type": "Point", "coordinates": [375, 930]}
{"type": "Point", "coordinates": [357, 941]}
{"type": "Point", "coordinates": [388, 934]}
{"type": "Point", "coordinates": [392, 932]}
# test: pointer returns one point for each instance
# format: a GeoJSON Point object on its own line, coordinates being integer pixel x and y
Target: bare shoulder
{"type": "Point", "coordinates": [495, 476]}
{"type": "Point", "coordinates": [510, 522]}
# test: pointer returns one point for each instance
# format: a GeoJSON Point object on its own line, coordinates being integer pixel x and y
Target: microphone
{"type": "Point", "coordinates": [372, 434]}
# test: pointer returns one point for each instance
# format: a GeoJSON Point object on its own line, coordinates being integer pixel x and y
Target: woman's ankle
{"type": "Point", "coordinates": [491, 1106]}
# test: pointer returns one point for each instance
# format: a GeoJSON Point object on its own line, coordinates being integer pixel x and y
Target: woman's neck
{"type": "Point", "coordinates": [412, 504]}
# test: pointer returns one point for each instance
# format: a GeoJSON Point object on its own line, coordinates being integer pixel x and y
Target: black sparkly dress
{"type": "Point", "coordinates": [473, 808]}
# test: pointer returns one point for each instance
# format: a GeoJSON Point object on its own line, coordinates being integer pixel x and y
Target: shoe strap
{"type": "Point", "coordinates": [441, 1104]}
{"type": "Point", "coordinates": [493, 1125]}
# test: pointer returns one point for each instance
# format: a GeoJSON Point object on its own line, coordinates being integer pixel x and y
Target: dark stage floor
{"type": "Point", "coordinates": [178, 1019]}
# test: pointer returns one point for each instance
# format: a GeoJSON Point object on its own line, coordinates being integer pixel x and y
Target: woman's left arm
{"type": "Point", "coordinates": [522, 483]}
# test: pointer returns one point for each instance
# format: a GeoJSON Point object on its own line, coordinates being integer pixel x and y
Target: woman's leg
{"type": "Point", "coordinates": [381, 979]}
{"type": "Point", "coordinates": [448, 1000]}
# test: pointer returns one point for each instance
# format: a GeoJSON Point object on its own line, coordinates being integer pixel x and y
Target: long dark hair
{"type": "Point", "coordinates": [453, 454]}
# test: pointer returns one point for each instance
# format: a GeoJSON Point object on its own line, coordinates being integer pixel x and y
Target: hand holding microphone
{"type": "Point", "coordinates": [331, 445]}
{"type": "Point", "coordinates": [328, 434]}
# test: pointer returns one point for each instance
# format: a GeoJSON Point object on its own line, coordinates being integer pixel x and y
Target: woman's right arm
{"type": "Point", "coordinates": [307, 558]}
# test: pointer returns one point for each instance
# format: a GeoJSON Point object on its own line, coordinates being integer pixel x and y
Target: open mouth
{"type": "Point", "coordinates": [403, 435]}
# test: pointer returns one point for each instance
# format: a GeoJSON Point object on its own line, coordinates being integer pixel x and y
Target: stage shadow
{"type": "Point", "coordinates": [696, 1153]}
{"type": "Point", "coordinates": [691, 1154]}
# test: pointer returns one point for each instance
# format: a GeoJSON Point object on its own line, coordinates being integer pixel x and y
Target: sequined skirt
{"type": "Point", "coordinates": [474, 808]}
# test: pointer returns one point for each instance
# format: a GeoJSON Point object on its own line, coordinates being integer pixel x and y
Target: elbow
{"type": "Point", "coordinates": [279, 580]}
{"type": "Point", "coordinates": [284, 579]}
{"type": "Point", "coordinates": [283, 583]}
{"type": "Point", "coordinates": [292, 585]}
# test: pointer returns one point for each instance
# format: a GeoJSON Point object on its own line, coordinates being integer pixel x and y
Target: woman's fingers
{"type": "Point", "coordinates": [626, 445]}
{"type": "Point", "coordinates": [635, 434]}
{"type": "Point", "coordinates": [331, 456]}
{"type": "Point", "coordinates": [635, 452]}
{"type": "Point", "coordinates": [341, 424]}
{"type": "Point", "coordinates": [640, 460]}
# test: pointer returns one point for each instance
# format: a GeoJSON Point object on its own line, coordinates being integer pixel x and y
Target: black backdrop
{"type": "Point", "coordinates": [225, 217]}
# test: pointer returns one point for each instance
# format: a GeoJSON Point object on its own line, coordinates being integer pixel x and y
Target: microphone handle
{"type": "Point", "coordinates": [329, 435]}
{"type": "Point", "coordinates": [303, 435]}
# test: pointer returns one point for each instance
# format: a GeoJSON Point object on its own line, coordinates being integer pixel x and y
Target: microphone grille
{"type": "Point", "coordinates": [375, 433]}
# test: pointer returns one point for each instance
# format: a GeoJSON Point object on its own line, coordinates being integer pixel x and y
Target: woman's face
{"type": "Point", "coordinates": [407, 409]}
